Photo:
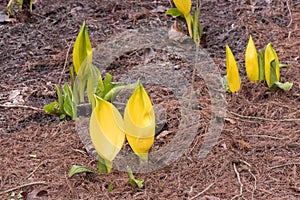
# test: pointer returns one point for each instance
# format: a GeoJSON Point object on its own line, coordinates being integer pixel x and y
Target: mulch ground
{"type": "Point", "coordinates": [257, 155]}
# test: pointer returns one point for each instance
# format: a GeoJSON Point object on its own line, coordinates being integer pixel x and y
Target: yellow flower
{"type": "Point", "coordinates": [82, 51]}
{"type": "Point", "coordinates": [272, 71]}
{"type": "Point", "coordinates": [251, 61]}
{"type": "Point", "coordinates": [106, 131]}
{"type": "Point", "coordinates": [139, 122]}
{"type": "Point", "coordinates": [233, 76]}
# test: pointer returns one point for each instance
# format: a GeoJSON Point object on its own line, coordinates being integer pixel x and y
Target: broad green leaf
{"type": "Point", "coordinates": [184, 6]}
{"type": "Point", "coordinates": [69, 105]}
{"type": "Point", "coordinates": [174, 12]}
{"type": "Point", "coordinates": [82, 51]}
{"type": "Point", "coordinates": [76, 169]}
{"type": "Point", "coordinates": [60, 98]}
{"type": "Point", "coordinates": [102, 166]}
{"type": "Point", "coordinates": [271, 57]}
{"type": "Point", "coordinates": [287, 86]}
{"type": "Point", "coordinates": [139, 122]}
{"type": "Point", "coordinates": [52, 108]}
{"type": "Point", "coordinates": [261, 65]}
{"type": "Point", "coordinates": [106, 130]}
{"type": "Point", "coordinates": [233, 76]}
{"type": "Point", "coordinates": [251, 61]}
{"type": "Point", "coordinates": [133, 181]}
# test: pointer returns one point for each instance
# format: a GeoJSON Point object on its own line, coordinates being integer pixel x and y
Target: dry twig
{"type": "Point", "coordinates": [283, 165]}
{"type": "Point", "coordinates": [65, 64]}
{"type": "Point", "coordinates": [21, 186]}
{"type": "Point", "coordinates": [20, 106]}
{"type": "Point", "coordinates": [263, 118]}
{"type": "Point", "coordinates": [239, 180]}
{"type": "Point", "coordinates": [197, 195]}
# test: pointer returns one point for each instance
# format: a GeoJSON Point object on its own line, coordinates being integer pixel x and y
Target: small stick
{"type": "Point", "coordinates": [264, 119]}
{"type": "Point", "coordinates": [65, 64]}
{"type": "Point", "coordinates": [239, 180]}
{"type": "Point", "coordinates": [21, 106]}
{"type": "Point", "coordinates": [290, 13]}
{"type": "Point", "coordinates": [266, 136]}
{"type": "Point", "coordinates": [254, 187]}
{"type": "Point", "coordinates": [197, 195]}
{"type": "Point", "coordinates": [21, 186]}
{"type": "Point", "coordinates": [35, 170]}
{"type": "Point", "coordinates": [283, 165]}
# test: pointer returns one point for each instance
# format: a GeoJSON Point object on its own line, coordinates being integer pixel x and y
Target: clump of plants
{"type": "Point", "coordinates": [19, 3]}
{"type": "Point", "coordinates": [183, 10]}
{"type": "Point", "coordinates": [260, 66]}
{"type": "Point", "coordinates": [108, 128]}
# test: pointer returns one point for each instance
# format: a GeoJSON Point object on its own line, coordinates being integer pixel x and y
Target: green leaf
{"type": "Point", "coordinates": [20, 4]}
{"type": "Point", "coordinates": [174, 12]}
{"type": "Point", "coordinates": [10, 6]}
{"type": "Point", "coordinates": [287, 86]}
{"type": "Point", "coordinates": [102, 169]}
{"type": "Point", "coordinates": [273, 77]}
{"type": "Point", "coordinates": [118, 87]}
{"type": "Point", "coordinates": [110, 188]}
{"type": "Point", "coordinates": [76, 169]}
{"type": "Point", "coordinates": [92, 83]}
{"type": "Point", "coordinates": [69, 105]}
{"type": "Point", "coordinates": [52, 108]}
{"type": "Point", "coordinates": [60, 98]}
{"type": "Point", "coordinates": [133, 181]}
{"type": "Point", "coordinates": [261, 65]}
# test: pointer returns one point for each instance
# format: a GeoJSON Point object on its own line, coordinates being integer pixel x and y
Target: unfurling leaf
{"type": "Point", "coordinates": [106, 131]}
{"type": "Point", "coordinates": [251, 61]}
{"type": "Point", "coordinates": [287, 86]}
{"type": "Point", "coordinates": [132, 180]}
{"type": "Point", "coordinates": [272, 71]}
{"type": "Point", "coordinates": [82, 51]}
{"type": "Point", "coordinates": [233, 76]}
{"type": "Point", "coordinates": [139, 122]}
{"type": "Point", "coordinates": [76, 169]}
{"type": "Point", "coordinates": [261, 65]}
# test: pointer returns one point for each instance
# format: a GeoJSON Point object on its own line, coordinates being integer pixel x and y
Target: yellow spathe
{"type": "Point", "coordinates": [82, 51]}
{"type": "Point", "coordinates": [233, 76]}
{"type": "Point", "coordinates": [271, 55]}
{"type": "Point", "coordinates": [251, 61]}
{"type": "Point", "coordinates": [106, 130]}
{"type": "Point", "coordinates": [139, 122]}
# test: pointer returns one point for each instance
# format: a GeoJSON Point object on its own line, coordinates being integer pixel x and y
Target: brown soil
{"type": "Point", "coordinates": [256, 157]}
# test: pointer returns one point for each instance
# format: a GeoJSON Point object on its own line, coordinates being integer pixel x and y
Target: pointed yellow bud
{"type": "Point", "coordinates": [106, 130]}
{"type": "Point", "coordinates": [233, 76]}
{"type": "Point", "coordinates": [82, 51]}
{"type": "Point", "coordinates": [251, 61]}
{"type": "Point", "coordinates": [272, 71]}
{"type": "Point", "coordinates": [139, 122]}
